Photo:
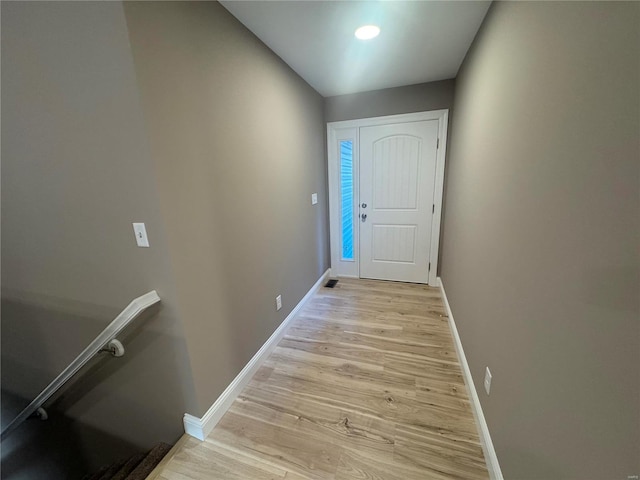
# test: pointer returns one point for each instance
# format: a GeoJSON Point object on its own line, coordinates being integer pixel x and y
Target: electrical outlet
{"type": "Point", "coordinates": [487, 381]}
{"type": "Point", "coordinates": [314, 198]}
{"type": "Point", "coordinates": [278, 302]}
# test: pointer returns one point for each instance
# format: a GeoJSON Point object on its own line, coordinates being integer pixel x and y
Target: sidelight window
{"type": "Point", "coordinates": [346, 198]}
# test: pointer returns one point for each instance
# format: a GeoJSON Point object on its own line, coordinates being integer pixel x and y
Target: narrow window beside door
{"type": "Point", "coordinates": [346, 198]}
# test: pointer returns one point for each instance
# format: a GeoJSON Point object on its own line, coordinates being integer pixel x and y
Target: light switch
{"type": "Point", "coordinates": [314, 198]}
{"type": "Point", "coordinates": [141, 234]}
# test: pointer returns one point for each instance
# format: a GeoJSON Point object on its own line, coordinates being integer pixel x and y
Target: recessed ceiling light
{"type": "Point", "coordinates": [367, 32]}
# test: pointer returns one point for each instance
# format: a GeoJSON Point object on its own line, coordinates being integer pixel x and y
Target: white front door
{"type": "Point", "coordinates": [397, 177]}
{"type": "Point", "coordinates": [386, 177]}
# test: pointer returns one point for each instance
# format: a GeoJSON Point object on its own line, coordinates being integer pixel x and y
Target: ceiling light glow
{"type": "Point", "coordinates": [367, 32]}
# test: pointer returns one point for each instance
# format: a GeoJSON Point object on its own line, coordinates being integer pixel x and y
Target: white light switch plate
{"type": "Point", "coordinates": [314, 198]}
{"type": "Point", "coordinates": [278, 302]}
{"type": "Point", "coordinates": [141, 234]}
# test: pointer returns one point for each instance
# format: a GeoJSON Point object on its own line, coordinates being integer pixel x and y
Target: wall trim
{"type": "Point", "coordinates": [201, 427]}
{"type": "Point", "coordinates": [495, 473]}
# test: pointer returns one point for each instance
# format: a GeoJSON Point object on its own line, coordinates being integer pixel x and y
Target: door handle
{"type": "Point", "coordinates": [363, 216]}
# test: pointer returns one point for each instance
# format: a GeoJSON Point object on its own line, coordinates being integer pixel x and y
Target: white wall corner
{"type": "Point", "coordinates": [495, 473]}
{"type": "Point", "coordinates": [201, 427]}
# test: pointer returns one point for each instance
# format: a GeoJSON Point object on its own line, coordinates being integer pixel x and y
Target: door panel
{"type": "Point", "coordinates": [397, 175]}
{"type": "Point", "coordinates": [395, 172]}
{"type": "Point", "coordinates": [394, 243]}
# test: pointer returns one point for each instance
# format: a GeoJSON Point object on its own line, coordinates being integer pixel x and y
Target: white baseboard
{"type": "Point", "coordinates": [495, 473]}
{"type": "Point", "coordinates": [201, 427]}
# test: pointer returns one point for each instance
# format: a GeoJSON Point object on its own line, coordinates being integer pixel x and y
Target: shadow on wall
{"type": "Point", "coordinates": [103, 414]}
{"type": "Point", "coordinates": [40, 449]}
{"type": "Point", "coordinates": [54, 449]}
{"type": "Point", "coordinates": [41, 336]}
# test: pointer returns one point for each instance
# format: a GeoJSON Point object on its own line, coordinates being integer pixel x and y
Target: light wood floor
{"type": "Point", "coordinates": [366, 384]}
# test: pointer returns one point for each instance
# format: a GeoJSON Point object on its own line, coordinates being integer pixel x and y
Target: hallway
{"type": "Point", "coordinates": [365, 384]}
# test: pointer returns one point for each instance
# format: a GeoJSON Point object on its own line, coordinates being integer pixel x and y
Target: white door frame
{"type": "Point", "coordinates": [349, 130]}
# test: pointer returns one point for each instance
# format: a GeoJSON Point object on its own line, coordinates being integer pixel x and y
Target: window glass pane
{"type": "Point", "coordinates": [346, 197]}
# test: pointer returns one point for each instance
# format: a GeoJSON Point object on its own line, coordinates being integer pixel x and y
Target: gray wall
{"type": "Point", "coordinates": [236, 139]}
{"type": "Point", "coordinates": [390, 101]}
{"type": "Point", "coordinates": [76, 171]}
{"type": "Point", "coordinates": [541, 235]}
{"type": "Point", "coordinates": [175, 115]}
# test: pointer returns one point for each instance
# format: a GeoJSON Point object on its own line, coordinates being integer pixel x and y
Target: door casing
{"type": "Point", "coordinates": [349, 130]}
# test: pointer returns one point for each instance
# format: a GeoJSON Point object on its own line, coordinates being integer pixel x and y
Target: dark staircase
{"type": "Point", "coordinates": [138, 467]}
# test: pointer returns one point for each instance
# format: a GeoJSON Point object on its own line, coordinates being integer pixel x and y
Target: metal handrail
{"type": "Point", "coordinates": [104, 339]}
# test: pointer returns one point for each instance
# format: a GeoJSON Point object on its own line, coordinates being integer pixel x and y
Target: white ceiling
{"type": "Point", "coordinates": [420, 41]}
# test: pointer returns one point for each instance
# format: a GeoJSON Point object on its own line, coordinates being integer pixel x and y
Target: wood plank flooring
{"type": "Point", "coordinates": [366, 384]}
